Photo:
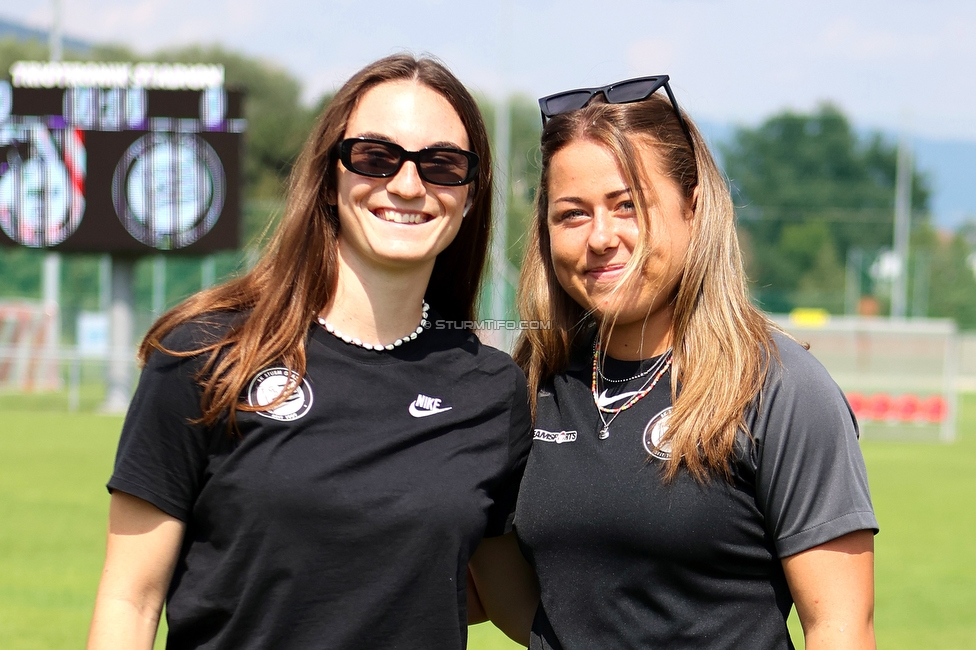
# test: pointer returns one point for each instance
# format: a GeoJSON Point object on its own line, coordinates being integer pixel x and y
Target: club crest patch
{"type": "Point", "coordinates": [654, 432]}
{"type": "Point", "coordinates": [268, 384]}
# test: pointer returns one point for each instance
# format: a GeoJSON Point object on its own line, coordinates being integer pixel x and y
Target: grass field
{"type": "Point", "coordinates": [53, 504]}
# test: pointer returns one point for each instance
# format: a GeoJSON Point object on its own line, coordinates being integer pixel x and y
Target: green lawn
{"type": "Point", "coordinates": [53, 505]}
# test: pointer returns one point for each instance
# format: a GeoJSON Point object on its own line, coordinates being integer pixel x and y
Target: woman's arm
{"type": "Point", "coordinates": [476, 611]}
{"type": "Point", "coordinates": [833, 588]}
{"type": "Point", "coordinates": [506, 586]}
{"type": "Point", "coordinates": [143, 544]}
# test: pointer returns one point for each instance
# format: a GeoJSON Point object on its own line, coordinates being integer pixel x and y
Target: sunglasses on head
{"type": "Point", "coordinates": [383, 159]}
{"type": "Point", "coordinates": [621, 92]}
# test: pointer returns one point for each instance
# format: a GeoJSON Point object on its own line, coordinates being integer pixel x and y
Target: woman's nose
{"type": "Point", "coordinates": [603, 234]}
{"type": "Point", "coordinates": [407, 182]}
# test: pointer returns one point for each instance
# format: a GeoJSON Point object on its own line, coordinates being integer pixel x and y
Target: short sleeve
{"type": "Point", "coordinates": [502, 511]}
{"type": "Point", "coordinates": [162, 453]}
{"type": "Point", "coordinates": [811, 482]}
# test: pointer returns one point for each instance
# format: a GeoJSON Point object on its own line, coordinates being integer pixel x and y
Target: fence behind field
{"type": "Point", "coordinates": [75, 381]}
{"type": "Point", "coordinates": [901, 376]}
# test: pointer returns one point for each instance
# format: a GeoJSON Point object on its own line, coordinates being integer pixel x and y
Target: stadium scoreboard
{"type": "Point", "coordinates": [120, 158]}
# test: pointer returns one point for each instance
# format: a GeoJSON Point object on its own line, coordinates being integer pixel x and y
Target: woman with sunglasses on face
{"type": "Point", "coordinates": [316, 449]}
{"type": "Point", "coordinates": [694, 471]}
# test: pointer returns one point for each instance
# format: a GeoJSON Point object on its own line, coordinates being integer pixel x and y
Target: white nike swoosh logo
{"type": "Point", "coordinates": [419, 413]}
{"type": "Point", "coordinates": [603, 400]}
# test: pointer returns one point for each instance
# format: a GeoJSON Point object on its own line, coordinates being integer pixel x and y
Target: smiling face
{"type": "Point", "coordinates": [594, 230]}
{"type": "Point", "coordinates": [401, 221]}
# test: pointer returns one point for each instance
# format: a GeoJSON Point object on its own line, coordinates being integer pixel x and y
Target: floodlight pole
{"type": "Point", "coordinates": [903, 213]}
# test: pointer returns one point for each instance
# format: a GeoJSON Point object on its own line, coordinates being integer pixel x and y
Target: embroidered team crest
{"type": "Point", "coordinates": [654, 432]}
{"type": "Point", "coordinates": [268, 384]}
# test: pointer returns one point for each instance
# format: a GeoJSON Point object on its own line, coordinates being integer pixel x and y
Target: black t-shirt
{"type": "Point", "coordinates": [626, 560]}
{"type": "Point", "coordinates": [343, 518]}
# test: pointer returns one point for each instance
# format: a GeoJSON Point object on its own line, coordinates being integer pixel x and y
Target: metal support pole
{"type": "Point", "coordinates": [920, 287]}
{"type": "Point", "coordinates": [51, 292]}
{"type": "Point", "coordinates": [852, 293]}
{"type": "Point", "coordinates": [104, 283]}
{"type": "Point", "coordinates": [158, 286]}
{"type": "Point", "coordinates": [947, 432]}
{"type": "Point", "coordinates": [208, 271]}
{"type": "Point", "coordinates": [120, 361]}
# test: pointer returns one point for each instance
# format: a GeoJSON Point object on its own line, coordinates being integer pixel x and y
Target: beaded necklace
{"type": "Point", "coordinates": [351, 340]}
{"type": "Point", "coordinates": [643, 373]}
{"type": "Point", "coordinates": [662, 366]}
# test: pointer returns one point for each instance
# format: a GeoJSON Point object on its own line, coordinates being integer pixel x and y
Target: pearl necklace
{"type": "Point", "coordinates": [352, 340]}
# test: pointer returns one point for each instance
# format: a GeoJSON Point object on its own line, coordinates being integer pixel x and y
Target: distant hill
{"type": "Point", "coordinates": [951, 166]}
{"type": "Point", "coordinates": [24, 33]}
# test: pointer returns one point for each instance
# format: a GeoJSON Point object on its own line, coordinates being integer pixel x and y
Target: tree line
{"type": "Point", "coordinates": [814, 198]}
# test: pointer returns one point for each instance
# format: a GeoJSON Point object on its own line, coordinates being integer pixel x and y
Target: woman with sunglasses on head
{"type": "Point", "coordinates": [694, 471]}
{"type": "Point", "coordinates": [316, 449]}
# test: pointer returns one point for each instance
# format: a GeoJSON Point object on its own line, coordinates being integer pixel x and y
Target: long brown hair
{"type": "Point", "coordinates": [296, 277]}
{"type": "Point", "coordinates": [722, 343]}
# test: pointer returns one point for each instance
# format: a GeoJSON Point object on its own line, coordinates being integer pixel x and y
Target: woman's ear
{"type": "Point", "coordinates": [693, 205]}
{"type": "Point", "coordinates": [467, 206]}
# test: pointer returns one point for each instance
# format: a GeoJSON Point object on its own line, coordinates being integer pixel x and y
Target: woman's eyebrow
{"type": "Point", "coordinates": [569, 199]}
{"type": "Point", "coordinates": [578, 201]}
{"type": "Point", "coordinates": [373, 135]}
{"type": "Point", "coordinates": [446, 143]}
{"type": "Point", "coordinates": [615, 194]}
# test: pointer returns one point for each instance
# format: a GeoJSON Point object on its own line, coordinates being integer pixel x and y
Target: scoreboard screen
{"type": "Point", "coordinates": [119, 158]}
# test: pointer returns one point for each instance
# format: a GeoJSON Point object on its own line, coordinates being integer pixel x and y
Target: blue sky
{"type": "Point", "coordinates": [886, 64]}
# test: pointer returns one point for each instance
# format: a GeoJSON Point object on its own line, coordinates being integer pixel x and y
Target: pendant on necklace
{"type": "Point", "coordinates": [604, 433]}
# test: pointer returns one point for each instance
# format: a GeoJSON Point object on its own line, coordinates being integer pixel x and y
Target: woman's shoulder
{"type": "Point", "coordinates": [465, 354]}
{"type": "Point", "coordinates": [201, 332]}
{"type": "Point", "coordinates": [490, 358]}
{"type": "Point", "coordinates": [794, 365]}
{"type": "Point", "coordinates": [794, 355]}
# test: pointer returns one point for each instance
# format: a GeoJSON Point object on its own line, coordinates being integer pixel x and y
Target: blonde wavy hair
{"type": "Point", "coordinates": [722, 343]}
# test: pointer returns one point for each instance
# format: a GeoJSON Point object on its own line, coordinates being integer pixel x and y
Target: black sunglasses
{"type": "Point", "coordinates": [621, 92]}
{"type": "Point", "coordinates": [382, 159]}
